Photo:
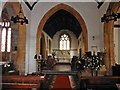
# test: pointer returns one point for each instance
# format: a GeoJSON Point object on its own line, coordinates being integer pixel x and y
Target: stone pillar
{"type": "Point", "coordinates": [0, 43]}
{"type": "Point", "coordinates": [106, 46]}
{"type": "Point", "coordinates": [109, 38]}
{"type": "Point", "coordinates": [21, 49]}
{"type": "Point", "coordinates": [44, 50]}
{"type": "Point", "coordinates": [118, 45]}
{"type": "Point", "coordinates": [38, 45]}
{"type": "Point", "coordinates": [109, 45]}
{"type": "Point", "coordinates": [0, 32]}
{"type": "Point", "coordinates": [111, 35]}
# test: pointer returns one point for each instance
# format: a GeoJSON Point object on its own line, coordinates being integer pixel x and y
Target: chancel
{"type": "Point", "coordinates": [59, 45]}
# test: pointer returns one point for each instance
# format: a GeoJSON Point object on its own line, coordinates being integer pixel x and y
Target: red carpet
{"type": "Point", "coordinates": [62, 82]}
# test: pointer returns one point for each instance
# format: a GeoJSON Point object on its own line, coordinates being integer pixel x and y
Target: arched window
{"type": "Point", "coordinates": [64, 42]}
{"type": "Point", "coordinates": [6, 36]}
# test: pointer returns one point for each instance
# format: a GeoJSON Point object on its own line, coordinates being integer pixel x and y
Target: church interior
{"type": "Point", "coordinates": [59, 45]}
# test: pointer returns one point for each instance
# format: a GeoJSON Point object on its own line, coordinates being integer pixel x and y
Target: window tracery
{"type": "Point", "coordinates": [64, 42]}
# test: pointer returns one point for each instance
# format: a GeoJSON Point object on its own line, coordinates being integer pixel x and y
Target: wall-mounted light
{"type": "Point", "coordinates": [111, 16]}
{"type": "Point", "coordinates": [20, 18]}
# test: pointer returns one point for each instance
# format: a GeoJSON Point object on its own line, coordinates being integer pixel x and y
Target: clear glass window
{"type": "Point", "coordinates": [6, 36]}
{"type": "Point", "coordinates": [64, 42]}
{"type": "Point", "coordinates": [9, 40]}
{"type": "Point", "coordinates": [3, 40]}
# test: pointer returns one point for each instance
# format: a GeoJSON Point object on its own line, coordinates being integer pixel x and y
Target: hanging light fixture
{"type": "Point", "coordinates": [111, 16]}
{"type": "Point", "coordinates": [20, 18]}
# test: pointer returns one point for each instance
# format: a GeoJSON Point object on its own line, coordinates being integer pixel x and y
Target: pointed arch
{"type": "Point", "coordinates": [73, 12]}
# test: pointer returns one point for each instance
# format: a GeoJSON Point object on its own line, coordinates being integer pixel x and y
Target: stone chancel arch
{"type": "Point", "coordinates": [70, 10]}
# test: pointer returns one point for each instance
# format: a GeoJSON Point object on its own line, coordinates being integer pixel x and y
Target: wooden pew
{"type": "Point", "coordinates": [21, 82]}
{"type": "Point", "coordinates": [99, 82]}
{"type": "Point", "coordinates": [23, 86]}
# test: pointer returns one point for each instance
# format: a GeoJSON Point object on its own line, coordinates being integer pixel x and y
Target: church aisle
{"type": "Point", "coordinates": [61, 78]}
{"type": "Point", "coordinates": [62, 82]}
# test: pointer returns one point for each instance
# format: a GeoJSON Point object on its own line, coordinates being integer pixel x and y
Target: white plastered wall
{"type": "Point", "coordinates": [89, 12]}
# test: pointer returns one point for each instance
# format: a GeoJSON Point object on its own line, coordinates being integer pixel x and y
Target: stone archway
{"type": "Point", "coordinates": [109, 38]}
{"type": "Point", "coordinates": [73, 12]}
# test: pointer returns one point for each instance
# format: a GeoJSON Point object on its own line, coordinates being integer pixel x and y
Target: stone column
{"type": "Point", "coordinates": [109, 45]}
{"type": "Point", "coordinates": [0, 43]}
{"type": "Point", "coordinates": [21, 49]}
{"type": "Point", "coordinates": [106, 46]}
{"type": "Point", "coordinates": [111, 35]}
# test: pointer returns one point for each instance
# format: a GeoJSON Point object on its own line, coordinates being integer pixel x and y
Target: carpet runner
{"type": "Point", "coordinates": [62, 82]}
